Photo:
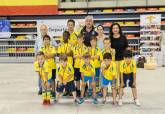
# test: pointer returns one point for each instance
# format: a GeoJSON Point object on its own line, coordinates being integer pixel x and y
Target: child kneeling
{"type": "Point", "coordinates": [65, 78]}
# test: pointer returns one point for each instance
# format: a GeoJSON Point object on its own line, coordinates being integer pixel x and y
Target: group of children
{"type": "Point", "coordinates": [79, 66]}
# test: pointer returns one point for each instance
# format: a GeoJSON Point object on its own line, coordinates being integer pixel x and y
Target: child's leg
{"type": "Point", "coordinates": [59, 91]}
{"type": "Point", "coordinates": [132, 85]}
{"type": "Point", "coordinates": [78, 85]}
{"type": "Point", "coordinates": [93, 84]}
{"type": "Point", "coordinates": [121, 92]}
{"type": "Point", "coordinates": [39, 85]}
{"type": "Point", "coordinates": [114, 93]}
{"type": "Point", "coordinates": [48, 92]}
{"type": "Point", "coordinates": [77, 75]}
{"type": "Point", "coordinates": [82, 89]}
{"type": "Point", "coordinates": [53, 82]}
{"type": "Point", "coordinates": [134, 93]}
{"type": "Point", "coordinates": [58, 95]}
{"type": "Point", "coordinates": [104, 93]}
{"type": "Point", "coordinates": [44, 92]}
{"type": "Point", "coordinates": [118, 76]}
{"type": "Point", "coordinates": [74, 95]}
{"type": "Point", "coordinates": [71, 88]}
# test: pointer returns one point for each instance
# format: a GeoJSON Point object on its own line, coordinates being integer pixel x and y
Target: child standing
{"type": "Point", "coordinates": [88, 75]}
{"type": "Point", "coordinates": [42, 67]}
{"type": "Point", "coordinates": [128, 76]}
{"type": "Point", "coordinates": [66, 48]}
{"type": "Point", "coordinates": [95, 53]}
{"type": "Point", "coordinates": [108, 72]}
{"type": "Point", "coordinates": [79, 50]}
{"type": "Point", "coordinates": [49, 52]}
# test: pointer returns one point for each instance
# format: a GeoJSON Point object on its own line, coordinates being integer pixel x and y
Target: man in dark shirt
{"type": "Point", "coordinates": [88, 30]}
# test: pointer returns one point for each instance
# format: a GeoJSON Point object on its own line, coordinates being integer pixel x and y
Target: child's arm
{"type": "Point", "coordinates": [60, 78]}
{"type": "Point", "coordinates": [46, 77]}
{"type": "Point", "coordinates": [134, 80]}
{"type": "Point", "coordinates": [82, 76]}
{"type": "Point", "coordinates": [39, 74]}
{"type": "Point", "coordinates": [95, 57]}
{"type": "Point", "coordinates": [122, 81]}
{"type": "Point", "coordinates": [93, 77]}
{"type": "Point", "coordinates": [77, 56]}
{"type": "Point", "coordinates": [69, 77]}
{"type": "Point", "coordinates": [103, 68]}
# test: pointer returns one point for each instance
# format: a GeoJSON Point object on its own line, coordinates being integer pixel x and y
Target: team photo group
{"type": "Point", "coordinates": [85, 65]}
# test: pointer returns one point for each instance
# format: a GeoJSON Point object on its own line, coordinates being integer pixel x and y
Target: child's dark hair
{"type": "Point", "coordinates": [86, 56]}
{"type": "Point", "coordinates": [46, 36]}
{"type": "Point", "coordinates": [107, 39]}
{"type": "Point", "coordinates": [63, 57]}
{"type": "Point", "coordinates": [68, 34]}
{"type": "Point", "coordinates": [128, 54]}
{"type": "Point", "coordinates": [40, 53]}
{"type": "Point", "coordinates": [81, 35]}
{"type": "Point", "coordinates": [71, 20]}
{"type": "Point", "coordinates": [107, 56]}
{"type": "Point", "coordinates": [93, 38]}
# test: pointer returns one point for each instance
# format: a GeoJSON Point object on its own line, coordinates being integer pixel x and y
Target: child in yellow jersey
{"type": "Point", "coordinates": [65, 78]}
{"type": "Point", "coordinates": [108, 72]}
{"type": "Point", "coordinates": [95, 53]}
{"type": "Point", "coordinates": [79, 50]}
{"type": "Point", "coordinates": [73, 35]}
{"type": "Point", "coordinates": [66, 48]}
{"type": "Point", "coordinates": [107, 49]}
{"type": "Point", "coordinates": [128, 76]}
{"type": "Point", "coordinates": [42, 67]}
{"type": "Point", "coordinates": [49, 52]}
{"type": "Point", "coordinates": [88, 75]}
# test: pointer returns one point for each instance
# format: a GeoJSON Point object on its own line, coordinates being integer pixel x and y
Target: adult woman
{"type": "Point", "coordinates": [100, 37]}
{"type": "Point", "coordinates": [119, 43]}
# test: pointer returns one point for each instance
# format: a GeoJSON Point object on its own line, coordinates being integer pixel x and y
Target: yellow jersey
{"type": "Point", "coordinates": [79, 50]}
{"type": "Point", "coordinates": [73, 38]}
{"type": "Point", "coordinates": [43, 70]}
{"type": "Point", "coordinates": [50, 50]}
{"type": "Point", "coordinates": [88, 70]}
{"type": "Point", "coordinates": [128, 68]}
{"type": "Point", "coordinates": [94, 52]}
{"type": "Point", "coordinates": [110, 72]}
{"type": "Point", "coordinates": [66, 48]}
{"type": "Point", "coordinates": [109, 50]}
{"type": "Point", "coordinates": [65, 72]}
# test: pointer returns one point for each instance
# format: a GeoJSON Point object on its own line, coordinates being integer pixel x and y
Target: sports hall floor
{"type": "Point", "coordinates": [18, 94]}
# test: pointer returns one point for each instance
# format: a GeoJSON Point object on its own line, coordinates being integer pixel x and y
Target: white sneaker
{"type": "Point", "coordinates": [137, 102]}
{"type": "Point", "coordinates": [120, 103]}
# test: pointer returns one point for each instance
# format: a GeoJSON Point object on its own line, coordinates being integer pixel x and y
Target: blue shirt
{"type": "Point", "coordinates": [100, 44]}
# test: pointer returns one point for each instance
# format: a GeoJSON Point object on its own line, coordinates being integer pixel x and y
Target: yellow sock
{"type": "Point", "coordinates": [48, 93]}
{"type": "Point", "coordinates": [44, 95]}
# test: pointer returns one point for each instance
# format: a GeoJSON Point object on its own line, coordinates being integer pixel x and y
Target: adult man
{"type": "Point", "coordinates": [39, 39]}
{"type": "Point", "coordinates": [88, 30]}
